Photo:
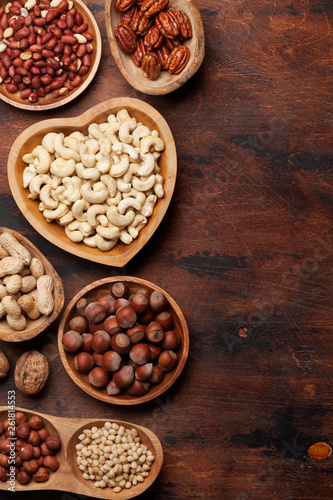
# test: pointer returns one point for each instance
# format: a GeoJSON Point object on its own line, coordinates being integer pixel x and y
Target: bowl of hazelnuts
{"type": "Point", "coordinates": [123, 340]}
{"type": "Point", "coordinates": [157, 44]}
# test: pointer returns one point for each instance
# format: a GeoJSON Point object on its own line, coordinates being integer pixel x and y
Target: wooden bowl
{"type": "Point", "coordinates": [68, 477]}
{"type": "Point", "coordinates": [50, 102]}
{"type": "Point", "coordinates": [93, 290]}
{"type": "Point", "coordinates": [34, 327]}
{"type": "Point", "coordinates": [166, 82]}
{"type": "Point", "coordinates": [32, 136]}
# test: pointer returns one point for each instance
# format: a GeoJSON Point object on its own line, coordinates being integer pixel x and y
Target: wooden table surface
{"type": "Point", "coordinates": [247, 241]}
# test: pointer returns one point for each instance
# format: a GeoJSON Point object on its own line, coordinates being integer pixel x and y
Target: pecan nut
{"type": "Point", "coordinates": [153, 39]}
{"type": "Point", "coordinates": [151, 66]}
{"type": "Point", "coordinates": [178, 59]}
{"type": "Point", "coordinates": [123, 5]}
{"type": "Point", "coordinates": [153, 7]}
{"type": "Point", "coordinates": [126, 38]}
{"type": "Point", "coordinates": [171, 44]}
{"type": "Point", "coordinates": [127, 16]}
{"type": "Point", "coordinates": [163, 55]}
{"type": "Point", "coordinates": [167, 24]}
{"type": "Point", "coordinates": [139, 52]}
{"type": "Point", "coordinates": [184, 23]}
{"type": "Point", "coordinates": [140, 23]}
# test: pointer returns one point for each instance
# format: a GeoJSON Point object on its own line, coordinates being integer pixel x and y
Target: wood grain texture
{"type": "Point", "coordinates": [144, 113]}
{"type": "Point", "coordinates": [247, 240]}
{"type": "Point", "coordinates": [68, 478]}
{"type": "Point", "coordinates": [49, 102]}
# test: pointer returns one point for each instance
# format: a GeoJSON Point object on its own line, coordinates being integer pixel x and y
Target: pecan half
{"type": "Point", "coordinates": [153, 7]}
{"type": "Point", "coordinates": [163, 55]}
{"type": "Point", "coordinates": [125, 37]}
{"type": "Point", "coordinates": [178, 59]}
{"type": "Point", "coordinates": [171, 44]}
{"type": "Point", "coordinates": [140, 23]}
{"type": "Point", "coordinates": [127, 16]}
{"type": "Point", "coordinates": [139, 52]}
{"type": "Point", "coordinates": [184, 23]}
{"type": "Point", "coordinates": [151, 66]}
{"type": "Point", "coordinates": [167, 24]}
{"type": "Point", "coordinates": [123, 5]}
{"type": "Point", "coordinates": [153, 39]}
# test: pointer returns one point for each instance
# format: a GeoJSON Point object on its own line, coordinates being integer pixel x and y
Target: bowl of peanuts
{"type": "Point", "coordinates": [31, 291]}
{"type": "Point", "coordinates": [49, 52]}
{"type": "Point", "coordinates": [99, 184]}
{"type": "Point", "coordinates": [157, 45]}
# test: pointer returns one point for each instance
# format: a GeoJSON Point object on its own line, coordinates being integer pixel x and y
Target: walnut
{"type": "Point", "coordinates": [31, 372]}
{"type": "Point", "coordinates": [4, 365]}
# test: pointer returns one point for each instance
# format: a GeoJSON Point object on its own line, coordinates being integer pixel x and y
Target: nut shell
{"type": "Point", "coordinates": [31, 372]}
{"type": "Point", "coordinates": [4, 365]}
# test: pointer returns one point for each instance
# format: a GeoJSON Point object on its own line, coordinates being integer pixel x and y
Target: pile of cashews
{"type": "Point", "coordinates": [101, 187]}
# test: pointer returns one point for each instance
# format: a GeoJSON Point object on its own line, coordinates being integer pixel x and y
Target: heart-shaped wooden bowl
{"type": "Point", "coordinates": [32, 136]}
{"type": "Point", "coordinates": [92, 291]}
{"type": "Point", "coordinates": [34, 327]}
{"type": "Point", "coordinates": [68, 477]}
{"type": "Point", "coordinates": [50, 102]}
{"type": "Point", "coordinates": [166, 82]}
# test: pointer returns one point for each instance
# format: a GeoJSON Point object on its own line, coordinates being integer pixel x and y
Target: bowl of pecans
{"type": "Point", "coordinates": [157, 44]}
{"type": "Point", "coordinates": [49, 52]}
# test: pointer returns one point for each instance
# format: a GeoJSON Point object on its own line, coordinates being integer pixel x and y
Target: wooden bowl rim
{"type": "Point", "coordinates": [176, 81]}
{"type": "Point", "coordinates": [68, 468]}
{"type": "Point", "coordinates": [61, 101]}
{"type": "Point", "coordinates": [110, 258]}
{"type": "Point", "coordinates": [101, 394]}
{"type": "Point", "coordinates": [58, 293]}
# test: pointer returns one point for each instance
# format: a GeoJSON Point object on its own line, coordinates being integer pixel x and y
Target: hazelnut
{"type": "Point", "coordinates": [120, 303]}
{"type": "Point", "coordinates": [140, 354]}
{"type": "Point", "coordinates": [23, 477]}
{"type": "Point", "coordinates": [111, 325]}
{"type": "Point", "coordinates": [45, 450]}
{"type": "Point", "coordinates": [79, 324]}
{"type": "Point", "coordinates": [171, 340]}
{"type": "Point", "coordinates": [43, 434]}
{"type": "Point", "coordinates": [1, 428]}
{"type": "Point", "coordinates": [167, 360]}
{"type": "Point", "coordinates": [157, 302]}
{"type": "Point", "coordinates": [126, 316]}
{"type": "Point", "coordinates": [98, 377]}
{"type": "Point", "coordinates": [41, 475]}
{"type": "Point", "coordinates": [120, 289]}
{"type": "Point", "coordinates": [18, 459]}
{"type": "Point", "coordinates": [95, 312]}
{"type": "Point", "coordinates": [83, 362]}
{"type": "Point", "coordinates": [87, 342]}
{"type": "Point", "coordinates": [144, 292]}
{"type": "Point", "coordinates": [124, 377]}
{"type": "Point", "coordinates": [26, 452]}
{"type": "Point", "coordinates": [51, 463]}
{"type": "Point", "coordinates": [35, 422]}
{"type": "Point", "coordinates": [95, 327]}
{"type": "Point", "coordinates": [36, 452]}
{"type": "Point", "coordinates": [5, 446]}
{"type": "Point", "coordinates": [98, 358]}
{"type": "Point", "coordinates": [157, 375]}
{"type": "Point", "coordinates": [81, 305]}
{"type": "Point", "coordinates": [139, 303]}
{"type": "Point", "coordinates": [72, 341]}
{"type": "Point", "coordinates": [53, 442]}
{"type": "Point", "coordinates": [23, 430]}
{"type": "Point", "coordinates": [138, 388]}
{"type": "Point", "coordinates": [121, 343]}
{"type": "Point", "coordinates": [165, 320]}
{"type": "Point", "coordinates": [144, 372]}
{"type": "Point", "coordinates": [4, 460]}
{"type": "Point", "coordinates": [4, 365]}
{"type": "Point", "coordinates": [136, 333]}
{"type": "Point", "coordinates": [112, 389]}
{"type": "Point", "coordinates": [111, 361]}
{"type": "Point", "coordinates": [34, 438]}
{"type": "Point", "coordinates": [30, 466]}
{"type": "Point", "coordinates": [108, 303]}
{"type": "Point", "coordinates": [20, 417]}
{"type": "Point", "coordinates": [147, 318]}
{"type": "Point", "coordinates": [3, 474]}
{"type": "Point", "coordinates": [154, 333]}
{"type": "Point", "coordinates": [19, 443]}
{"type": "Point", "coordinates": [101, 341]}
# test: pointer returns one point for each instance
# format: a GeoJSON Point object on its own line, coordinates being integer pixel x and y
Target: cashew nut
{"type": "Point", "coordinates": [73, 186]}
{"type": "Point", "coordinates": [119, 169]}
{"type": "Point", "coordinates": [43, 159]}
{"type": "Point", "coordinates": [118, 219]}
{"type": "Point", "coordinates": [103, 163]}
{"type": "Point", "coordinates": [96, 193]}
{"type": "Point", "coordinates": [48, 142]}
{"type": "Point", "coordinates": [72, 143]}
{"type": "Point", "coordinates": [138, 223]}
{"type": "Point", "coordinates": [123, 115]}
{"type": "Point", "coordinates": [78, 210]}
{"type": "Point", "coordinates": [28, 158]}
{"type": "Point", "coordinates": [114, 200]}
{"type": "Point", "coordinates": [132, 170]}
{"type": "Point", "coordinates": [87, 173]}
{"type": "Point", "coordinates": [123, 186]}
{"type": "Point", "coordinates": [36, 184]}
{"type": "Point", "coordinates": [76, 231]}
{"type": "Point", "coordinates": [109, 232]}
{"type": "Point", "coordinates": [87, 159]}
{"type": "Point", "coordinates": [158, 186]}
{"type": "Point", "coordinates": [138, 195]}
{"type": "Point", "coordinates": [92, 212]}
{"type": "Point", "coordinates": [47, 198]}
{"type": "Point", "coordinates": [120, 147]}
{"type": "Point", "coordinates": [28, 174]}
{"type": "Point", "coordinates": [128, 203]}
{"type": "Point", "coordinates": [92, 146]}
{"type": "Point", "coordinates": [148, 165]}
{"type": "Point", "coordinates": [78, 136]}
{"type": "Point", "coordinates": [111, 132]}
{"type": "Point", "coordinates": [148, 207]}
{"type": "Point", "coordinates": [66, 219]}
{"type": "Point", "coordinates": [63, 152]}
{"type": "Point", "coordinates": [94, 131]}
{"type": "Point", "coordinates": [110, 183]}
{"type": "Point", "coordinates": [152, 141]}
{"type": "Point", "coordinates": [140, 132]}
{"type": "Point", "coordinates": [125, 129]}
{"type": "Point", "coordinates": [62, 167]}
{"type": "Point", "coordinates": [50, 215]}
{"type": "Point", "coordinates": [143, 185]}
{"type": "Point", "coordinates": [100, 242]}
{"type": "Point", "coordinates": [125, 237]}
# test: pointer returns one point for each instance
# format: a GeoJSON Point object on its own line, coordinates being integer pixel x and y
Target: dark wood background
{"type": "Point", "coordinates": [247, 240]}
